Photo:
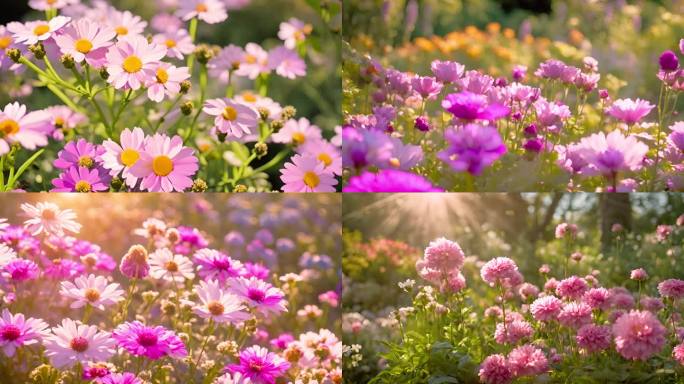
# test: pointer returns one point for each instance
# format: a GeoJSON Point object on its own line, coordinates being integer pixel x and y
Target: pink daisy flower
{"type": "Point", "coordinates": [258, 365]}
{"type": "Point", "coordinates": [166, 23]}
{"type": "Point", "coordinates": [297, 132]}
{"type": "Point", "coordinates": [80, 179]}
{"type": "Point", "coordinates": [575, 315]}
{"type": "Point", "coordinates": [91, 290]}
{"type": "Point", "coordinates": [259, 103]}
{"type": "Point", "coordinates": [528, 360]}
{"type": "Point", "coordinates": [594, 338]}
{"type": "Point", "coordinates": [28, 129]}
{"type": "Point", "coordinates": [495, 370]}
{"type": "Point", "coordinates": [178, 43]}
{"type": "Point", "coordinates": [638, 335]}
{"type": "Point", "coordinates": [8, 42]}
{"type": "Point", "coordinates": [328, 154]}
{"type": "Point", "coordinates": [44, 5]}
{"type": "Point", "coordinates": [120, 378]}
{"type": "Point", "coordinates": [259, 294]}
{"type": "Point", "coordinates": [546, 308]}
{"type": "Point", "coordinates": [63, 119]}
{"type": "Point", "coordinates": [215, 265]}
{"type": "Point", "coordinates": [151, 342]}
{"type": "Point", "coordinates": [307, 174]}
{"type": "Point", "coordinates": [17, 331]}
{"type": "Point", "coordinates": [170, 267]}
{"type": "Point", "coordinates": [132, 62]}
{"type": "Point", "coordinates": [34, 31]}
{"type": "Point", "coordinates": [286, 62]}
{"type": "Point", "coordinates": [227, 61]}
{"type": "Point", "coordinates": [233, 119]}
{"type": "Point", "coordinates": [293, 31]}
{"type": "Point", "coordinates": [218, 304]}
{"type": "Point", "coordinates": [73, 342]}
{"type": "Point", "coordinates": [45, 217]}
{"type": "Point", "coordinates": [165, 165]}
{"type": "Point", "coordinates": [121, 157]}
{"type": "Point", "coordinates": [125, 24]}
{"type": "Point", "coordinates": [254, 62]}
{"type": "Point", "coordinates": [86, 40]}
{"type": "Point", "coordinates": [166, 81]}
{"type": "Point", "coordinates": [498, 270]}
{"type": "Point", "coordinates": [209, 11]}
{"type": "Point", "coordinates": [78, 153]}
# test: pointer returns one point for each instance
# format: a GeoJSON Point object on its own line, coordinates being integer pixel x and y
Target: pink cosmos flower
{"type": "Point", "coordinates": [151, 342]}
{"type": "Point", "coordinates": [91, 290]}
{"type": "Point", "coordinates": [297, 132]}
{"type": "Point", "coordinates": [215, 265]}
{"type": "Point", "coordinates": [86, 40]}
{"type": "Point", "coordinates": [594, 337]}
{"type": "Point", "coordinates": [218, 304]}
{"type": "Point", "coordinates": [132, 62]}
{"type": "Point", "coordinates": [121, 378]}
{"type": "Point", "coordinates": [166, 81]}
{"type": "Point", "coordinates": [46, 217]}
{"type": "Point", "coordinates": [233, 119]}
{"type": "Point", "coordinates": [575, 315]}
{"type": "Point", "coordinates": [258, 365]}
{"type": "Point", "coordinates": [672, 288]}
{"type": "Point", "coordinates": [254, 62]}
{"type": "Point", "coordinates": [630, 111]}
{"type": "Point", "coordinates": [472, 148]}
{"type": "Point", "coordinates": [328, 154]}
{"type": "Point", "coordinates": [447, 71]}
{"type": "Point", "coordinates": [121, 157]}
{"type": "Point", "coordinates": [572, 288]}
{"type": "Point", "coordinates": [495, 369]}
{"type": "Point", "coordinates": [78, 153]}
{"type": "Point", "coordinates": [546, 308]}
{"type": "Point", "coordinates": [8, 42]}
{"type": "Point", "coordinates": [293, 31]}
{"type": "Point", "coordinates": [125, 24]}
{"type": "Point", "coordinates": [286, 62]}
{"type": "Point", "coordinates": [34, 31]}
{"type": "Point", "coordinates": [307, 174]}
{"type": "Point", "coordinates": [259, 294]}
{"type": "Point", "coordinates": [427, 87]}
{"type": "Point", "coordinates": [497, 270]}
{"type": "Point", "coordinates": [165, 165]}
{"type": "Point", "coordinates": [80, 179]}
{"type": "Point", "coordinates": [209, 11]}
{"type": "Point", "coordinates": [638, 335]}
{"type": "Point", "coordinates": [551, 114]}
{"type": "Point", "coordinates": [178, 43]}
{"type": "Point", "coordinates": [613, 153]}
{"type": "Point", "coordinates": [17, 331]}
{"type": "Point", "coordinates": [28, 129]}
{"type": "Point", "coordinates": [226, 62]}
{"type": "Point", "coordinates": [471, 106]}
{"type": "Point", "coordinates": [73, 342]}
{"type": "Point", "coordinates": [528, 360]}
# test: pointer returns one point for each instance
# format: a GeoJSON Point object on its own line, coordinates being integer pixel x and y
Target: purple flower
{"type": "Point", "coordinates": [551, 69]}
{"type": "Point", "coordinates": [427, 87]}
{"type": "Point", "coordinates": [613, 153]}
{"type": "Point", "coordinates": [80, 179]}
{"type": "Point", "coordinates": [472, 148]}
{"type": "Point", "coordinates": [630, 111]}
{"type": "Point", "coordinates": [587, 81]}
{"type": "Point", "coordinates": [533, 145]}
{"type": "Point", "coordinates": [447, 71]}
{"type": "Point", "coordinates": [18, 270]}
{"type": "Point", "coordinates": [470, 106]}
{"type": "Point", "coordinates": [551, 114]}
{"type": "Point", "coordinates": [398, 82]}
{"type": "Point", "coordinates": [361, 148]}
{"type": "Point", "coordinates": [258, 365]}
{"type": "Point", "coordinates": [422, 124]}
{"type": "Point", "coordinates": [668, 61]}
{"type": "Point", "coordinates": [476, 82]}
{"type": "Point", "coordinates": [120, 378]}
{"type": "Point", "coordinates": [151, 342]}
{"type": "Point", "coordinates": [79, 154]}
{"type": "Point", "coordinates": [404, 156]}
{"type": "Point", "coordinates": [215, 265]}
{"type": "Point", "coordinates": [389, 180]}
{"type": "Point", "coordinates": [519, 72]}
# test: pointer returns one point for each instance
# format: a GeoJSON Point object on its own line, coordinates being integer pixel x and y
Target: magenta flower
{"type": "Point", "coordinates": [120, 378]}
{"type": "Point", "coordinates": [209, 11]}
{"type": "Point", "coordinates": [215, 265]}
{"type": "Point", "coordinates": [575, 315]}
{"type": "Point", "coordinates": [668, 61]}
{"type": "Point", "coordinates": [28, 129]}
{"type": "Point", "coordinates": [80, 179]}
{"type": "Point", "coordinates": [613, 153]}
{"type": "Point", "coordinates": [232, 119]}
{"type": "Point", "coordinates": [471, 106]}
{"type": "Point", "coordinates": [672, 288]}
{"type": "Point", "coordinates": [33, 32]}
{"type": "Point", "coordinates": [151, 342]}
{"type": "Point", "coordinates": [259, 365]}
{"type": "Point", "coordinates": [165, 165]}
{"type": "Point", "coordinates": [551, 69]}
{"type": "Point", "coordinates": [495, 369]}
{"type": "Point", "coordinates": [447, 71]}
{"type": "Point", "coordinates": [572, 288]}
{"type": "Point", "coordinates": [121, 157]}
{"type": "Point", "coordinates": [472, 148]}
{"type": "Point", "coordinates": [546, 308]}
{"type": "Point", "coordinates": [86, 40]}
{"type": "Point", "coordinates": [18, 270]}
{"type": "Point", "coordinates": [132, 62]}
{"type": "Point", "coordinates": [630, 111]}
{"type": "Point", "coordinates": [306, 174]}
{"type": "Point", "coordinates": [638, 335]}
{"type": "Point", "coordinates": [79, 153]}
{"type": "Point", "coordinates": [135, 264]}
{"type": "Point", "coordinates": [286, 62]}
{"type": "Point", "coordinates": [259, 294]}
{"type": "Point", "coordinates": [17, 331]}
{"type": "Point", "coordinates": [390, 180]}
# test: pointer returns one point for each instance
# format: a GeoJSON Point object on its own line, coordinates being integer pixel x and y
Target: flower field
{"type": "Point", "coordinates": [165, 292]}
{"type": "Point", "coordinates": [513, 289]}
{"type": "Point", "coordinates": [522, 102]}
{"type": "Point", "coordinates": [170, 96]}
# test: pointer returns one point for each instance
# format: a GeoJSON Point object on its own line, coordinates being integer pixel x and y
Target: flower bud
{"type": "Point", "coordinates": [277, 125]}
{"type": "Point", "coordinates": [104, 74]}
{"type": "Point", "coordinates": [264, 113]}
{"type": "Point", "coordinates": [204, 53]}
{"type": "Point", "coordinates": [199, 185]}
{"type": "Point", "coordinates": [240, 188]}
{"type": "Point", "coordinates": [221, 137]}
{"type": "Point", "coordinates": [38, 50]}
{"type": "Point", "coordinates": [185, 86]}
{"type": "Point", "coordinates": [14, 54]}
{"type": "Point", "coordinates": [288, 112]}
{"type": "Point", "coordinates": [186, 108]}
{"type": "Point", "coordinates": [67, 61]}
{"type": "Point", "coordinates": [261, 149]}
{"type": "Point", "coordinates": [116, 183]}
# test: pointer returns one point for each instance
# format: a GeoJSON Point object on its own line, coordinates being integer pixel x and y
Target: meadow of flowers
{"type": "Point", "coordinates": [500, 110]}
{"type": "Point", "coordinates": [146, 105]}
{"type": "Point", "coordinates": [452, 314]}
{"type": "Point", "coordinates": [253, 299]}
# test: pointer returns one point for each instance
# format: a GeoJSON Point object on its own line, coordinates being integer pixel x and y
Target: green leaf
{"type": "Point", "coordinates": [13, 178]}
{"type": "Point", "coordinates": [442, 379]}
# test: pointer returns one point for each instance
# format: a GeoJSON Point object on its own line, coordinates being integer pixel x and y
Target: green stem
{"type": "Point", "coordinates": [203, 88]}
{"type": "Point", "coordinates": [193, 35]}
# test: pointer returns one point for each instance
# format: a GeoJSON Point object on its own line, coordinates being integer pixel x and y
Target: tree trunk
{"type": "Point", "coordinates": [615, 208]}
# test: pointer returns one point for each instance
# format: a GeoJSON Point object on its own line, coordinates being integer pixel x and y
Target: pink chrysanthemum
{"type": "Point", "coordinates": [566, 229]}
{"type": "Point", "coordinates": [495, 370]}
{"type": "Point", "coordinates": [678, 352]}
{"type": "Point", "coordinates": [638, 335]}
{"type": "Point", "coordinates": [34, 31]}
{"type": "Point", "coordinates": [166, 81]}
{"type": "Point", "coordinates": [45, 217]}
{"type": "Point", "coordinates": [151, 342]}
{"type": "Point", "coordinates": [209, 11]}
{"type": "Point", "coordinates": [92, 290]}
{"type": "Point", "coordinates": [444, 254]}
{"type": "Point", "coordinates": [672, 288]}
{"type": "Point", "coordinates": [86, 40]}
{"type": "Point", "coordinates": [513, 332]}
{"type": "Point", "coordinates": [259, 294]}
{"type": "Point", "coordinates": [546, 308]}
{"type": "Point", "coordinates": [594, 338]}
{"type": "Point", "coordinates": [28, 129]}
{"type": "Point", "coordinates": [17, 331]}
{"type": "Point", "coordinates": [572, 288]}
{"type": "Point", "coordinates": [307, 174]}
{"type": "Point", "coordinates": [286, 62]}
{"type": "Point", "coordinates": [18, 270]}
{"type": "Point", "coordinates": [218, 304]}
{"type": "Point", "coordinates": [638, 274]}
{"type": "Point", "coordinates": [233, 119]}
{"type": "Point", "coordinates": [258, 365]}
{"type": "Point", "coordinates": [165, 165]}
{"type": "Point", "coordinates": [215, 265]}
{"type": "Point", "coordinates": [597, 298]}
{"type": "Point", "coordinates": [497, 270]}
{"type": "Point", "coordinates": [651, 304]}
{"type": "Point", "coordinates": [132, 62]}
{"type": "Point", "coordinates": [297, 132]}
{"type": "Point", "coordinates": [178, 43]}
{"type": "Point", "coordinates": [121, 157]}
{"type": "Point", "coordinates": [73, 342]}
{"type": "Point", "coordinates": [575, 315]}
{"type": "Point", "coordinates": [527, 360]}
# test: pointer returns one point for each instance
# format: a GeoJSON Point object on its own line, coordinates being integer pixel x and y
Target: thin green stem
{"type": "Point", "coordinates": [193, 35]}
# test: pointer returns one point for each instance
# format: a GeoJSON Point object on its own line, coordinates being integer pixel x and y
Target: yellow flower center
{"type": "Point", "coordinates": [83, 45]}
{"type": "Point", "coordinates": [162, 165]}
{"type": "Point", "coordinates": [170, 43]}
{"type": "Point", "coordinates": [86, 161]}
{"type": "Point", "coordinates": [132, 64]}
{"type": "Point", "coordinates": [83, 186]}
{"type": "Point", "coordinates": [41, 29]}
{"type": "Point", "coordinates": [162, 76]}
{"type": "Point", "coordinates": [121, 30]}
{"type": "Point", "coordinates": [250, 59]}
{"type": "Point", "coordinates": [92, 294]}
{"type": "Point", "coordinates": [59, 122]}
{"type": "Point", "coordinates": [50, 2]}
{"type": "Point", "coordinates": [236, 65]}
{"type": "Point", "coordinates": [311, 179]}
{"type": "Point", "coordinates": [8, 127]}
{"type": "Point", "coordinates": [48, 214]}
{"type": "Point", "coordinates": [171, 266]}
{"type": "Point", "coordinates": [229, 113]}
{"type": "Point", "coordinates": [325, 159]}
{"type": "Point", "coordinates": [5, 42]}
{"type": "Point", "coordinates": [298, 138]}
{"type": "Point", "coordinates": [215, 308]}
{"type": "Point", "coordinates": [201, 7]}
{"type": "Point", "coordinates": [395, 162]}
{"type": "Point", "coordinates": [129, 157]}
{"type": "Point", "coordinates": [249, 97]}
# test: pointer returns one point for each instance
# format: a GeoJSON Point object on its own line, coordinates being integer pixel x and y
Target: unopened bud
{"type": "Point", "coordinates": [199, 185]}
{"type": "Point", "coordinates": [67, 61]}
{"type": "Point", "coordinates": [38, 50]}
{"type": "Point", "coordinates": [277, 125]}
{"type": "Point", "coordinates": [14, 54]}
{"type": "Point", "coordinates": [264, 113]}
{"type": "Point", "coordinates": [240, 188]}
{"type": "Point", "coordinates": [185, 86]}
{"type": "Point", "coordinates": [186, 108]}
{"type": "Point", "coordinates": [261, 149]}
{"type": "Point", "coordinates": [204, 53]}
{"type": "Point", "coordinates": [104, 74]}
{"type": "Point", "coordinates": [288, 112]}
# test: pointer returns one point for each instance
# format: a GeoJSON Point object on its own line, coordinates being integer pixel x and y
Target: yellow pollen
{"type": "Point", "coordinates": [236, 65]}
{"type": "Point", "coordinates": [162, 165]}
{"type": "Point", "coordinates": [83, 45]}
{"type": "Point", "coordinates": [249, 97]}
{"type": "Point", "coordinates": [86, 161]}
{"type": "Point", "coordinates": [92, 294]}
{"type": "Point", "coordinates": [8, 127]}
{"type": "Point", "coordinates": [311, 179]}
{"type": "Point", "coordinates": [132, 64]}
{"type": "Point", "coordinates": [121, 30]}
{"type": "Point", "coordinates": [41, 29]}
{"type": "Point", "coordinates": [229, 113]}
{"type": "Point", "coordinates": [129, 157]}
{"type": "Point", "coordinates": [250, 59]}
{"type": "Point", "coordinates": [83, 186]}
{"type": "Point", "coordinates": [215, 308]}
{"type": "Point", "coordinates": [201, 7]}
{"type": "Point", "coordinates": [59, 122]}
{"type": "Point", "coordinates": [299, 35]}
{"type": "Point", "coordinates": [170, 43]}
{"type": "Point", "coordinates": [171, 266]}
{"type": "Point", "coordinates": [298, 138]}
{"type": "Point", "coordinates": [325, 158]}
{"type": "Point", "coordinates": [50, 2]}
{"type": "Point", "coordinates": [395, 162]}
{"type": "Point", "coordinates": [5, 42]}
{"type": "Point", "coordinates": [162, 76]}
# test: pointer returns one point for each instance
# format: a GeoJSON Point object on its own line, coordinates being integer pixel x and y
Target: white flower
{"type": "Point", "coordinates": [93, 290]}
{"type": "Point", "coordinates": [74, 342]}
{"type": "Point", "coordinates": [167, 266]}
{"type": "Point", "coordinates": [48, 218]}
{"type": "Point", "coordinates": [7, 254]}
{"type": "Point", "coordinates": [3, 224]}
{"type": "Point", "coordinates": [218, 304]}
{"type": "Point", "coordinates": [151, 228]}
